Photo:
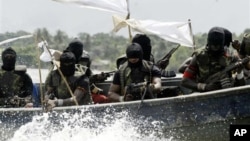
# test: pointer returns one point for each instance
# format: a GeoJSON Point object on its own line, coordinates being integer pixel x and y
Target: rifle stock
{"type": "Point", "coordinates": [162, 63]}
{"type": "Point", "coordinates": [169, 54]}
{"type": "Point", "coordinates": [217, 76]}
{"type": "Point", "coordinates": [101, 77]}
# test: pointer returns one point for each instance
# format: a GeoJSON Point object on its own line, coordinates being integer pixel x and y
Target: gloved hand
{"type": "Point", "coordinates": [202, 87]}
{"type": "Point", "coordinates": [225, 83]}
{"type": "Point", "coordinates": [211, 87]}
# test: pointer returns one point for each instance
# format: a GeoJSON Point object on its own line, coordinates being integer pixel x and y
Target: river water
{"type": "Point", "coordinates": [35, 74]}
{"type": "Point", "coordinates": [87, 127]}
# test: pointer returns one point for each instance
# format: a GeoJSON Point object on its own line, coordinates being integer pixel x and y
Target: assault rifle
{"type": "Point", "coordinates": [98, 78]}
{"type": "Point", "coordinates": [138, 90]}
{"type": "Point", "coordinates": [217, 76]}
{"type": "Point", "coordinates": [163, 63]}
{"type": "Point", "coordinates": [135, 89]}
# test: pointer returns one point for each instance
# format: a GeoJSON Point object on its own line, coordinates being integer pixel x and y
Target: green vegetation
{"type": "Point", "coordinates": [101, 46]}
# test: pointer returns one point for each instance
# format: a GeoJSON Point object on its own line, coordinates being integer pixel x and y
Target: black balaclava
{"type": "Point", "coordinates": [85, 59]}
{"type": "Point", "coordinates": [76, 46]}
{"type": "Point", "coordinates": [67, 63]}
{"type": "Point", "coordinates": [228, 37]}
{"type": "Point", "coordinates": [145, 43]}
{"type": "Point", "coordinates": [215, 41]}
{"type": "Point", "coordinates": [134, 50]}
{"type": "Point", "coordinates": [9, 59]}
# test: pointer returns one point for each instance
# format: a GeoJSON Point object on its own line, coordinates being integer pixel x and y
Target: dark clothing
{"type": "Point", "coordinates": [155, 73]}
{"type": "Point", "coordinates": [11, 86]}
{"type": "Point", "coordinates": [127, 76]}
{"type": "Point", "coordinates": [27, 88]}
{"type": "Point", "coordinates": [203, 65]}
{"type": "Point", "coordinates": [60, 89]}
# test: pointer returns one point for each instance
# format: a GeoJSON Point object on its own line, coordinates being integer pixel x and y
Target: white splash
{"type": "Point", "coordinates": [89, 127]}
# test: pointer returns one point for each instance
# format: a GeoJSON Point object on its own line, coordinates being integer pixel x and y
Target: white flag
{"type": "Point", "coordinates": [16, 38]}
{"type": "Point", "coordinates": [46, 56]}
{"type": "Point", "coordinates": [117, 6]}
{"type": "Point", "coordinates": [177, 32]}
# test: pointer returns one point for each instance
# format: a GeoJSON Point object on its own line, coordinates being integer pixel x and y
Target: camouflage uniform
{"type": "Point", "coordinates": [60, 89]}
{"type": "Point", "coordinates": [10, 86]}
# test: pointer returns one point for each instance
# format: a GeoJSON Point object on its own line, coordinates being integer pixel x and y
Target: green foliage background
{"type": "Point", "coordinates": [101, 46]}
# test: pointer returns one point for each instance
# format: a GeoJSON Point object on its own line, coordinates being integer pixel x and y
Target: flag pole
{"type": "Point", "coordinates": [191, 33]}
{"type": "Point", "coordinates": [128, 16]}
{"type": "Point", "coordinates": [40, 76]}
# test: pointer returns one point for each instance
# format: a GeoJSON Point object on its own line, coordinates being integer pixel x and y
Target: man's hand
{"type": "Point", "coordinates": [29, 105]}
{"type": "Point", "coordinates": [240, 67]}
{"type": "Point", "coordinates": [50, 104]}
{"type": "Point", "coordinates": [225, 83]}
{"type": "Point", "coordinates": [236, 44]}
{"type": "Point", "coordinates": [211, 87]}
{"type": "Point", "coordinates": [128, 97]}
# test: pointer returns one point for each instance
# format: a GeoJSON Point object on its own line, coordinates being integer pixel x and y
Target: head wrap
{"type": "Point", "coordinates": [76, 46]}
{"type": "Point", "coordinates": [216, 38]}
{"type": "Point", "coordinates": [145, 43]}
{"type": "Point", "coordinates": [134, 50]}
{"type": "Point", "coordinates": [67, 63]}
{"type": "Point", "coordinates": [9, 59]}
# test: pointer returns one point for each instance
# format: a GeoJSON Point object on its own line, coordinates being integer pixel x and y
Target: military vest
{"type": "Point", "coordinates": [209, 65]}
{"type": "Point", "coordinates": [10, 84]}
{"type": "Point", "coordinates": [127, 76]}
{"type": "Point", "coordinates": [60, 88]}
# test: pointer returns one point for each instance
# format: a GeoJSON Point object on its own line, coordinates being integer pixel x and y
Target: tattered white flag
{"type": "Point", "coordinates": [46, 56]}
{"type": "Point", "coordinates": [117, 6]}
{"type": "Point", "coordinates": [14, 39]}
{"type": "Point", "coordinates": [177, 32]}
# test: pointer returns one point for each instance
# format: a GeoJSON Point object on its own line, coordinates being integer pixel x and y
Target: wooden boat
{"type": "Point", "coordinates": [198, 116]}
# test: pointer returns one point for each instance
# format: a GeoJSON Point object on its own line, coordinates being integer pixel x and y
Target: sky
{"type": "Point", "coordinates": [29, 15]}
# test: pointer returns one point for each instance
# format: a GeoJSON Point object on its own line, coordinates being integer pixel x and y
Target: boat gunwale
{"type": "Point", "coordinates": [180, 98]}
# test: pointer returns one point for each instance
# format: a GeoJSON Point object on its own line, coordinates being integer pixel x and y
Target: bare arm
{"type": "Point", "coordinates": [113, 93]}
{"type": "Point", "coordinates": [75, 100]}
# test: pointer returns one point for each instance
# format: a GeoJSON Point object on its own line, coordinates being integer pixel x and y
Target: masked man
{"type": "Point", "coordinates": [58, 94]}
{"type": "Point", "coordinates": [15, 87]}
{"type": "Point", "coordinates": [210, 60]}
{"type": "Point", "coordinates": [136, 79]}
